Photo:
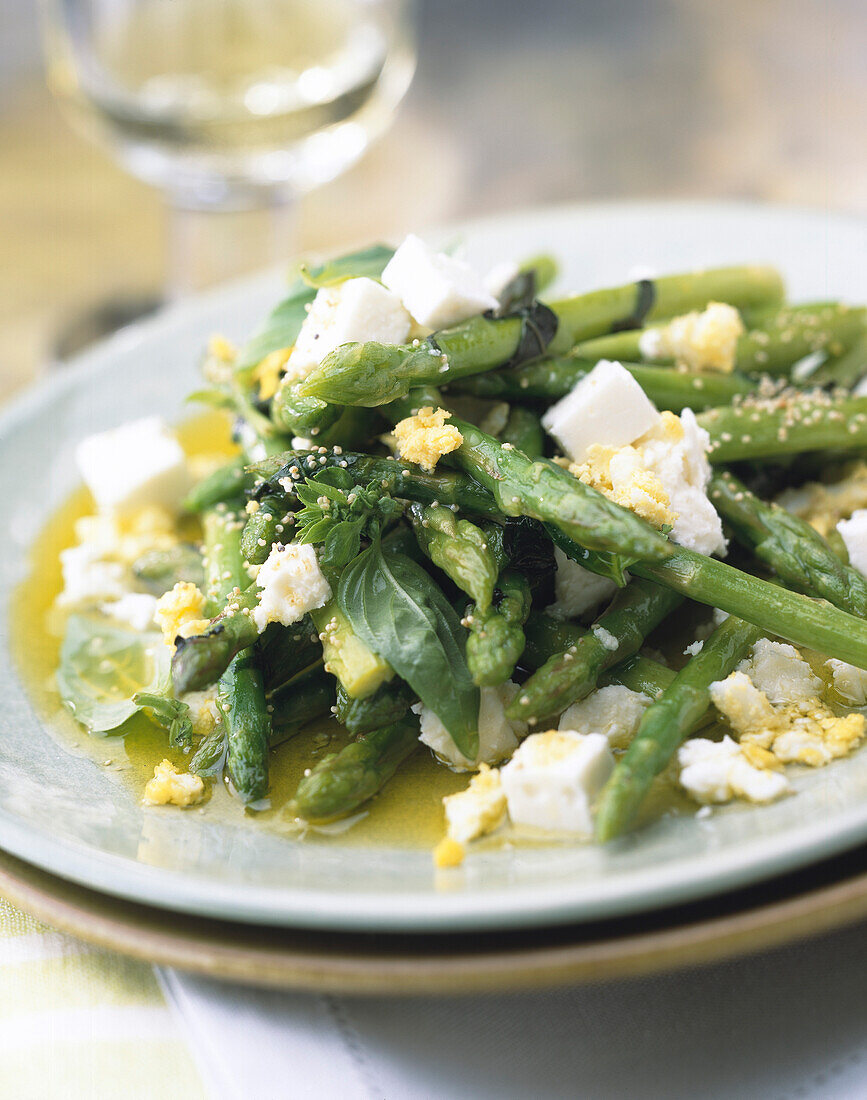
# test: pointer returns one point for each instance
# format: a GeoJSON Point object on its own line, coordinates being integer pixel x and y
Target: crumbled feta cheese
{"type": "Point", "coordinates": [746, 707]}
{"type": "Point", "coordinates": [553, 779]}
{"type": "Point", "coordinates": [355, 311]}
{"type": "Point", "coordinates": [292, 584]}
{"type": "Point", "coordinates": [605, 637]}
{"type": "Point", "coordinates": [169, 786]}
{"type": "Point", "coordinates": [135, 609]}
{"type": "Point", "coordinates": [606, 407]}
{"type": "Point", "coordinates": [498, 735]}
{"type": "Point", "coordinates": [134, 466]}
{"type": "Point", "coordinates": [425, 437]}
{"type": "Point", "coordinates": [861, 389]}
{"type": "Point", "coordinates": [479, 809]}
{"type": "Point", "coordinates": [576, 589]}
{"type": "Point", "coordinates": [850, 682]}
{"type": "Point", "coordinates": [250, 441]}
{"type": "Point", "coordinates": [676, 451]}
{"type": "Point", "coordinates": [694, 648]}
{"type": "Point", "coordinates": [180, 612]}
{"type": "Point", "coordinates": [614, 711]}
{"type": "Point", "coordinates": [854, 534]}
{"type": "Point", "coordinates": [126, 538]}
{"type": "Point", "coordinates": [706, 340]}
{"type": "Point", "coordinates": [717, 771]}
{"type": "Point", "coordinates": [438, 290]}
{"type": "Point", "coordinates": [87, 578]}
{"type": "Point", "coordinates": [778, 670]}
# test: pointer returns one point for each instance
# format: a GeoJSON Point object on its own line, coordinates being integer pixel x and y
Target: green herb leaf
{"type": "Point", "coordinates": [398, 611]}
{"type": "Point", "coordinates": [171, 714]}
{"type": "Point", "coordinates": [103, 666]}
{"type": "Point", "coordinates": [340, 517]}
{"type": "Point", "coordinates": [283, 324]}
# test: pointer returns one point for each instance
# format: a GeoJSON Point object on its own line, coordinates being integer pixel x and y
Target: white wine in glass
{"type": "Point", "coordinates": [230, 105]}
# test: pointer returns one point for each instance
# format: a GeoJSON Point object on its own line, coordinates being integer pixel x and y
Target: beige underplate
{"type": "Point", "coordinates": [795, 906]}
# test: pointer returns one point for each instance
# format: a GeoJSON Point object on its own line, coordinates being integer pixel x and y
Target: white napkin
{"type": "Point", "coordinates": [786, 1024]}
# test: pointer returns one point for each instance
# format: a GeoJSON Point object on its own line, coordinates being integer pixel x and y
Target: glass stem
{"type": "Point", "coordinates": [209, 244]}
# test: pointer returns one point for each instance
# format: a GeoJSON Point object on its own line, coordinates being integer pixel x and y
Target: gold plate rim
{"type": "Point", "coordinates": [794, 907]}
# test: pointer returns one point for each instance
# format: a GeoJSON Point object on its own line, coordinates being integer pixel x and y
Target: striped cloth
{"type": "Point", "coordinates": [77, 1021]}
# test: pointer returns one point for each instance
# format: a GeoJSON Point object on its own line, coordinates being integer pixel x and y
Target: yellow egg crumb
{"type": "Point", "coordinates": [181, 612]}
{"type": "Point", "coordinates": [171, 787]}
{"type": "Point", "coordinates": [823, 506]}
{"type": "Point", "coordinates": [477, 810]}
{"type": "Point", "coordinates": [269, 372]}
{"type": "Point", "coordinates": [620, 475]}
{"type": "Point", "coordinates": [705, 340]}
{"type": "Point", "coordinates": [448, 853]}
{"type": "Point", "coordinates": [221, 348]}
{"type": "Point", "coordinates": [425, 437]}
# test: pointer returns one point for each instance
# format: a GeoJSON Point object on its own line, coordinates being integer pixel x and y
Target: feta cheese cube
{"type": "Point", "coordinates": [292, 584]}
{"type": "Point", "coordinates": [438, 290]}
{"type": "Point", "coordinates": [553, 779]}
{"type": "Point", "coordinates": [778, 670]}
{"type": "Point", "coordinates": [88, 579]}
{"type": "Point", "coordinates": [356, 311]}
{"type": "Point", "coordinates": [479, 809]}
{"type": "Point", "coordinates": [134, 609]}
{"type": "Point", "coordinates": [614, 711]}
{"type": "Point", "coordinates": [498, 735]}
{"type": "Point", "coordinates": [607, 407]}
{"type": "Point", "coordinates": [854, 535]}
{"type": "Point", "coordinates": [138, 465]}
{"type": "Point", "coordinates": [577, 589]}
{"type": "Point", "coordinates": [850, 682]}
{"type": "Point", "coordinates": [717, 771]}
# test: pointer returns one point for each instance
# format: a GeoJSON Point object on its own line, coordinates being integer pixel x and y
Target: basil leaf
{"type": "Point", "coordinates": [103, 665]}
{"type": "Point", "coordinates": [398, 611]}
{"type": "Point", "coordinates": [283, 324]}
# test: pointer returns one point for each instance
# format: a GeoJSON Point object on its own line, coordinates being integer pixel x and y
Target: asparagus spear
{"type": "Point", "coordinates": [667, 723]}
{"type": "Point", "coordinates": [573, 673]}
{"type": "Point", "coordinates": [845, 369]}
{"type": "Point", "coordinates": [552, 378]}
{"type": "Point", "coordinates": [210, 755]}
{"type": "Point", "coordinates": [343, 781]}
{"type": "Point", "coordinates": [795, 332]}
{"type": "Point", "coordinates": [496, 639]}
{"type": "Point", "coordinates": [299, 701]}
{"type": "Point", "coordinates": [459, 548]}
{"type": "Point", "coordinates": [373, 374]}
{"type": "Point", "coordinates": [785, 425]}
{"type": "Point", "coordinates": [241, 693]}
{"type": "Point", "coordinates": [387, 705]}
{"type": "Point", "coordinates": [793, 549]}
{"type": "Point", "coordinates": [226, 484]}
{"type": "Point", "coordinates": [281, 473]}
{"type": "Point", "coordinates": [265, 526]}
{"type": "Point", "coordinates": [524, 430]}
{"type": "Point", "coordinates": [159, 570]}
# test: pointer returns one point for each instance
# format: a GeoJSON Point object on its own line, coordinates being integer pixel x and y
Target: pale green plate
{"type": "Point", "coordinates": [62, 813]}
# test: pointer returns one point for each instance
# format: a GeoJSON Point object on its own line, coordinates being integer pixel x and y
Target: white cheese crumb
{"type": "Point", "coordinates": [778, 670]}
{"type": "Point", "coordinates": [854, 534]}
{"type": "Point", "coordinates": [135, 609]}
{"type": "Point", "coordinates": [292, 584]}
{"type": "Point", "coordinates": [87, 578]}
{"type": "Point", "coordinates": [553, 779]}
{"type": "Point", "coordinates": [694, 647]}
{"type": "Point", "coordinates": [717, 771]}
{"type": "Point", "coordinates": [614, 711]}
{"type": "Point", "coordinates": [607, 407]}
{"type": "Point", "coordinates": [850, 682]}
{"type": "Point", "coordinates": [137, 465]}
{"type": "Point", "coordinates": [605, 637]}
{"type": "Point", "coordinates": [438, 290]}
{"type": "Point", "coordinates": [355, 311]}
{"type": "Point", "coordinates": [576, 589]}
{"type": "Point", "coordinates": [498, 735]}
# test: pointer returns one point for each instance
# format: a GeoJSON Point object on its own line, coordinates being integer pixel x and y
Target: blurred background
{"type": "Point", "coordinates": [512, 104]}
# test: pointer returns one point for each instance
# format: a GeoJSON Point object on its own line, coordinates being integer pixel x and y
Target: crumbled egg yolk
{"type": "Point", "coordinates": [180, 612]}
{"type": "Point", "coordinates": [204, 714]}
{"type": "Point", "coordinates": [471, 813]}
{"type": "Point", "coordinates": [823, 506]}
{"type": "Point", "coordinates": [705, 340]}
{"type": "Point", "coordinates": [620, 474]}
{"type": "Point", "coordinates": [803, 732]}
{"type": "Point", "coordinates": [171, 787]}
{"type": "Point", "coordinates": [425, 437]}
{"type": "Point", "coordinates": [221, 348]}
{"type": "Point", "coordinates": [269, 372]}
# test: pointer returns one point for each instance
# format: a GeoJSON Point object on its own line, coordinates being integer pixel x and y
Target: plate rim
{"type": "Point", "coordinates": [132, 880]}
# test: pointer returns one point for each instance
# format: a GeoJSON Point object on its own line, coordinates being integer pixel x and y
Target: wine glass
{"type": "Point", "coordinates": [233, 107]}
